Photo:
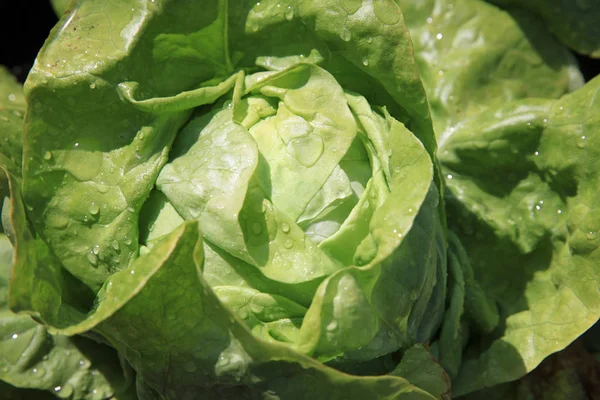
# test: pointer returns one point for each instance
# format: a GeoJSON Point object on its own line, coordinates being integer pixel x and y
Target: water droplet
{"type": "Point", "coordinates": [307, 150]}
{"type": "Point", "coordinates": [365, 62]}
{"type": "Point", "coordinates": [581, 143]}
{"type": "Point", "coordinates": [288, 244]}
{"type": "Point", "coordinates": [370, 39]}
{"type": "Point", "coordinates": [285, 228]}
{"type": "Point", "coordinates": [14, 336]}
{"type": "Point", "coordinates": [439, 36]}
{"type": "Point", "coordinates": [429, 20]}
{"type": "Point", "coordinates": [94, 209]}
{"type": "Point", "coordinates": [332, 326]}
{"type": "Point", "coordinates": [132, 272]}
{"type": "Point", "coordinates": [537, 153]}
{"type": "Point", "coordinates": [38, 372]}
{"type": "Point", "coordinates": [289, 13]}
{"type": "Point", "coordinates": [559, 211]}
{"type": "Point", "coordinates": [127, 240]}
{"type": "Point", "coordinates": [115, 245]}
{"type": "Point", "coordinates": [92, 258]}
{"type": "Point", "coordinates": [93, 85]}
{"type": "Point", "coordinates": [351, 6]}
{"type": "Point", "coordinates": [256, 228]}
{"type": "Point", "coordinates": [411, 210]}
{"type": "Point", "coordinates": [190, 366]}
{"type": "Point", "coordinates": [538, 207]}
{"type": "Point", "coordinates": [591, 235]}
{"type": "Point", "coordinates": [48, 156]}
{"type": "Point", "coordinates": [57, 388]}
{"type": "Point", "coordinates": [387, 11]}
{"type": "Point", "coordinates": [12, 97]}
{"type": "Point", "coordinates": [346, 35]}
{"type": "Point", "coordinates": [449, 176]}
{"type": "Point", "coordinates": [545, 120]}
{"type": "Point", "coordinates": [102, 189]}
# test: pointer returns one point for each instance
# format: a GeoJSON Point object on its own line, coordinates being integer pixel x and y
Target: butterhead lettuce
{"type": "Point", "coordinates": [293, 199]}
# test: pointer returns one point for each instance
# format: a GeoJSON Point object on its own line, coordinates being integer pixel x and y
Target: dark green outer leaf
{"type": "Point", "coordinates": [30, 357]}
{"type": "Point", "coordinates": [523, 195]}
{"type": "Point", "coordinates": [574, 23]}
{"type": "Point", "coordinates": [12, 110]}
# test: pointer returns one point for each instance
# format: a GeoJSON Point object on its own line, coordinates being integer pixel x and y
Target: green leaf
{"type": "Point", "coordinates": [521, 199]}
{"type": "Point", "coordinates": [171, 188]}
{"type": "Point", "coordinates": [197, 343]}
{"type": "Point", "coordinates": [420, 368]}
{"type": "Point", "coordinates": [472, 56]}
{"type": "Point", "coordinates": [572, 23]}
{"type": "Point", "coordinates": [32, 358]}
{"type": "Point", "coordinates": [12, 110]}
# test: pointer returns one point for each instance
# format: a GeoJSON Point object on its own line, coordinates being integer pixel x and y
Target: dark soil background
{"type": "Point", "coordinates": [24, 25]}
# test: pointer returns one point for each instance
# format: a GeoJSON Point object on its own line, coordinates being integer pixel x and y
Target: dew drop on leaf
{"type": "Point", "coordinates": [256, 228]}
{"type": "Point", "coordinates": [289, 13]}
{"type": "Point", "coordinates": [346, 35]}
{"type": "Point", "coordinates": [332, 326]}
{"type": "Point", "coordinates": [92, 258]}
{"type": "Point", "coordinates": [307, 150]}
{"type": "Point", "coordinates": [190, 366]}
{"type": "Point", "coordinates": [94, 209]}
{"type": "Point", "coordinates": [386, 11]}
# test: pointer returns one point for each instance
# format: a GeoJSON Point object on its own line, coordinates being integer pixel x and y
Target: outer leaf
{"type": "Point", "coordinates": [12, 109]}
{"type": "Point", "coordinates": [530, 227]}
{"type": "Point", "coordinates": [30, 357]}
{"type": "Point", "coordinates": [87, 174]}
{"type": "Point", "coordinates": [573, 23]}
{"type": "Point", "coordinates": [199, 348]}
{"type": "Point", "coordinates": [419, 367]}
{"type": "Point", "coordinates": [467, 66]}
